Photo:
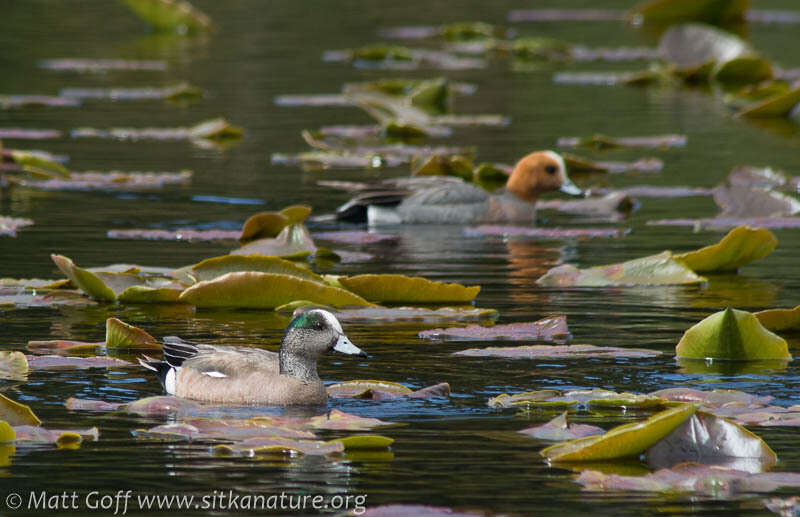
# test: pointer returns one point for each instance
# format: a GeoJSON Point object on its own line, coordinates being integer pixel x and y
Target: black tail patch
{"type": "Point", "coordinates": [177, 350]}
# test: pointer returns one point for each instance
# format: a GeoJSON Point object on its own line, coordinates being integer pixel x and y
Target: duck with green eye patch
{"type": "Point", "coordinates": [251, 376]}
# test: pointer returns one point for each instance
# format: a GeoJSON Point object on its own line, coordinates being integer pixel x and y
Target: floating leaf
{"type": "Point", "coordinates": [27, 159]}
{"type": "Point", "coordinates": [41, 362]}
{"type": "Point", "coordinates": [148, 294]}
{"type": "Point", "coordinates": [667, 12]}
{"type": "Point", "coordinates": [264, 291]}
{"type": "Point", "coordinates": [602, 142]}
{"type": "Point", "coordinates": [214, 267]}
{"type": "Point", "coordinates": [100, 65]}
{"type": "Point", "coordinates": [623, 441]}
{"type": "Point", "coordinates": [183, 234]}
{"type": "Point", "coordinates": [6, 432]}
{"type": "Point", "coordinates": [731, 335]}
{"type": "Point", "coordinates": [373, 314]}
{"type": "Point", "coordinates": [712, 399]}
{"type": "Point", "coordinates": [270, 224]}
{"type": "Point", "coordinates": [87, 281]}
{"type": "Point", "coordinates": [228, 429]}
{"type": "Point", "coordinates": [36, 101]}
{"type": "Point", "coordinates": [13, 365]}
{"type": "Point", "coordinates": [717, 223]}
{"type": "Point", "coordinates": [557, 429]}
{"type": "Point", "coordinates": [442, 165]}
{"type": "Point", "coordinates": [64, 438]}
{"type": "Point", "coordinates": [577, 164]}
{"type": "Point", "coordinates": [76, 404]}
{"type": "Point", "coordinates": [15, 413]}
{"type": "Point", "coordinates": [545, 233]}
{"type": "Point", "coordinates": [10, 225]}
{"type": "Point", "coordinates": [29, 134]}
{"type": "Point", "coordinates": [216, 129]}
{"type": "Point", "coordinates": [549, 328]}
{"type": "Point", "coordinates": [739, 247]}
{"type": "Point", "coordinates": [613, 206]}
{"type": "Point", "coordinates": [339, 420]}
{"type": "Point", "coordinates": [356, 237]}
{"type": "Point", "coordinates": [661, 269]}
{"type": "Point", "coordinates": [170, 15]}
{"type": "Point", "coordinates": [780, 105]}
{"type": "Point", "coordinates": [364, 389]}
{"type": "Point", "coordinates": [260, 446]}
{"type": "Point", "coordinates": [365, 441]}
{"type": "Point", "coordinates": [181, 92]}
{"type": "Point", "coordinates": [742, 70]}
{"type": "Point", "coordinates": [566, 351]}
{"type": "Point", "coordinates": [706, 439]}
{"type": "Point", "coordinates": [293, 241]}
{"type": "Point", "coordinates": [111, 181]}
{"type": "Point", "coordinates": [391, 288]}
{"type": "Point", "coordinates": [121, 335]}
{"type": "Point", "coordinates": [779, 319]}
{"type": "Point", "coordinates": [689, 47]}
{"type": "Point", "coordinates": [762, 177]}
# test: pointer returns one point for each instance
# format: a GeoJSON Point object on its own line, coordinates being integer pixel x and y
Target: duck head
{"type": "Point", "coordinates": [313, 333]}
{"type": "Point", "coordinates": [538, 172]}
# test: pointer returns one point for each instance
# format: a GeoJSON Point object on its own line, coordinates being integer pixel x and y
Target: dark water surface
{"type": "Point", "coordinates": [442, 457]}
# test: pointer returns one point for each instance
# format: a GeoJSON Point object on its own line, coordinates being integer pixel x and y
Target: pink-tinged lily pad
{"type": "Point", "coordinates": [612, 206]}
{"type": "Point", "coordinates": [11, 133]}
{"type": "Point", "coordinates": [100, 65]}
{"type": "Point", "coordinates": [659, 192]}
{"type": "Point", "coordinates": [711, 481]}
{"type": "Point", "coordinates": [10, 225]}
{"type": "Point", "coordinates": [114, 181]}
{"type": "Point", "coordinates": [76, 404]}
{"type": "Point", "coordinates": [265, 291]}
{"type": "Point", "coordinates": [162, 405]}
{"type": "Point", "coordinates": [723, 223]}
{"type": "Point", "coordinates": [46, 362]}
{"type": "Point", "coordinates": [355, 237]}
{"type": "Point", "coordinates": [292, 241]}
{"type": "Point", "coordinates": [545, 233]}
{"type": "Point", "coordinates": [417, 510]}
{"type": "Point", "coordinates": [13, 365]}
{"type": "Point", "coordinates": [402, 58]}
{"type": "Point", "coordinates": [780, 319]}
{"type": "Point", "coordinates": [36, 101]}
{"type": "Point", "coordinates": [60, 346]}
{"type": "Point", "coordinates": [762, 177]}
{"type": "Point", "coordinates": [29, 434]}
{"type": "Point", "coordinates": [339, 420]}
{"type": "Point", "coordinates": [783, 506]}
{"type": "Point", "coordinates": [607, 79]}
{"type": "Point", "coordinates": [392, 288]}
{"type": "Point", "coordinates": [710, 440]}
{"type": "Point", "coordinates": [381, 390]}
{"type": "Point", "coordinates": [216, 429]}
{"type": "Point", "coordinates": [731, 335]}
{"type": "Point", "coordinates": [549, 328]}
{"type": "Point", "coordinates": [372, 314]}
{"type": "Point", "coordinates": [269, 446]}
{"type": "Point", "coordinates": [558, 430]}
{"type": "Point", "coordinates": [15, 413]}
{"type": "Point", "coordinates": [746, 201]}
{"type": "Point", "coordinates": [578, 164]}
{"type": "Point", "coordinates": [561, 351]}
{"type": "Point", "coordinates": [180, 92]}
{"type": "Point", "coordinates": [712, 399]}
{"type": "Point", "coordinates": [606, 142]}
{"type": "Point", "coordinates": [314, 100]}
{"type": "Point", "coordinates": [576, 398]}
{"type": "Point", "coordinates": [185, 234]}
{"type": "Point", "coordinates": [742, 245]}
{"type": "Point", "coordinates": [624, 441]}
{"type": "Point", "coordinates": [171, 15]}
{"type": "Point", "coordinates": [661, 269]}
{"type": "Point", "coordinates": [215, 129]}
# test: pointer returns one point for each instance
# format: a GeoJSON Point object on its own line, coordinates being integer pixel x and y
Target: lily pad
{"type": "Point", "coordinates": [87, 281]}
{"type": "Point", "coordinates": [170, 15]}
{"type": "Point", "coordinates": [270, 224]}
{"type": "Point", "coordinates": [560, 15]}
{"type": "Point", "coordinates": [293, 241]}
{"type": "Point", "coordinates": [611, 206]}
{"type": "Point", "coordinates": [11, 133]}
{"type": "Point", "coordinates": [76, 404]}
{"type": "Point", "coordinates": [372, 314]}
{"type": "Point", "coordinates": [565, 351]}
{"type": "Point", "coordinates": [266, 446]}
{"type": "Point", "coordinates": [101, 65]}
{"type": "Point", "coordinates": [217, 130]}
{"type": "Point", "coordinates": [710, 440]}
{"type": "Point", "coordinates": [391, 288]}
{"type": "Point", "coordinates": [46, 362]}
{"type": "Point", "coordinates": [739, 247]}
{"type": "Point", "coordinates": [215, 267]}
{"type": "Point", "coordinates": [6, 432]}
{"type": "Point", "coordinates": [264, 291]}
{"type": "Point", "coordinates": [365, 389]}
{"type": "Point", "coordinates": [557, 429]}
{"type": "Point", "coordinates": [780, 319]}
{"type": "Point", "coordinates": [183, 234]}
{"type": "Point", "coordinates": [15, 413]}
{"type": "Point", "coordinates": [780, 105]}
{"type": "Point", "coordinates": [731, 335]}
{"type": "Point", "coordinates": [13, 365]}
{"type": "Point", "coordinates": [64, 438]}
{"type": "Point", "coordinates": [668, 12]}
{"type": "Point", "coordinates": [365, 442]}
{"type": "Point", "coordinates": [36, 101]}
{"type": "Point", "coordinates": [219, 429]}
{"type": "Point", "coordinates": [111, 181]}
{"type": "Point", "coordinates": [181, 92]}
{"type": "Point", "coordinates": [661, 269]}
{"type": "Point", "coordinates": [603, 142]}
{"type": "Point", "coordinates": [10, 225]}
{"type": "Point", "coordinates": [577, 164]}
{"type": "Point", "coordinates": [584, 398]}
{"type": "Point", "coordinates": [549, 328]}
{"type": "Point", "coordinates": [28, 159]}
{"type": "Point", "coordinates": [440, 165]}
{"type": "Point", "coordinates": [545, 233]}
{"type": "Point", "coordinates": [717, 223]}
{"type": "Point", "coordinates": [623, 441]}
{"type": "Point", "coordinates": [689, 47]}
{"type": "Point", "coordinates": [121, 335]}
{"type": "Point", "coordinates": [149, 294]}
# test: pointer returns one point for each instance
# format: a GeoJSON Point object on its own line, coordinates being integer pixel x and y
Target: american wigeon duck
{"type": "Point", "coordinates": [449, 200]}
{"type": "Point", "coordinates": [242, 375]}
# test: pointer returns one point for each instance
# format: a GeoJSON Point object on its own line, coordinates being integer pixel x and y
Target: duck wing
{"type": "Point", "coordinates": [454, 202]}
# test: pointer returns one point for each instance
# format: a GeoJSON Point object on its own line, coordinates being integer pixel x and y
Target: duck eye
{"type": "Point", "coordinates": [551, 169]}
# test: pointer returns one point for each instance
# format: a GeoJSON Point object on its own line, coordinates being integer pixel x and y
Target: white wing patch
{"type": "Point", "coordinates": [215, 374]}
{"type": "Point", "coordinates": [169, 381]}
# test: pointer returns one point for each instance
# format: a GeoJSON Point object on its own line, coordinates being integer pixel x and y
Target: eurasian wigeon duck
{"type": "Point", "coordinates": [450, 200]}
{"type": "Point", "coordinates": [251, 376]}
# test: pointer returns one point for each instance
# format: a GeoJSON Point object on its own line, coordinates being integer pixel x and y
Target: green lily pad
{"type": "Point", "coordinates": [780, 319]}
{"type": "Point", "coordinates": [667, 12]}
{"type": "Point", "coordinates": [87, 281]}
{"type": "Point", "coordinates": [365, 441]}
{"type": "Point", "coordinates": [270, 224]}
{"type": "Point", "coordinates": [216, 129]}
{"type": "Point", "coordinates": [264, 291]}
{"type": "Point", "coordinates": [214, 267]}
{"type": "Point", "coordinates": [742, 70]}
{"type": "Point", "coordinates": [739, 247]}
{"type": "Point", "coordinates": [122, 335]}
{"type": "Point", "coordinates": [170, 15]}
{"type": "Point", "coordinates": [390, 288]}
{"type": "Point", "coordinates": [15, 413]}
{"type": "Point", "coordinates": [443, 165]}
{"type": "Point", "coordinates": [13, 365]}
{"type": "Point", "coordinates": [623, 441]}
{"type": "Point", "coordinates": [661, 269]}
{"type": "Point", "coordinates": [27, 159]}
{"type": "Point", "coordinates": [7, 434]}
{"type": "Point", "coordinates": [274, 445]}
{"type": "Point", "coordinates": [780, 105]}
{"type": "Point", "coordinates": [731, 335]}
{"type": "Point", "coordinates": [148, 294]}
{"type": "Point", "coordinates": [524, 399]}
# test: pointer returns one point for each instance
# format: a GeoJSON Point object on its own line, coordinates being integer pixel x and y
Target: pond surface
{"type": "Point", "coordinates": [443, 455]}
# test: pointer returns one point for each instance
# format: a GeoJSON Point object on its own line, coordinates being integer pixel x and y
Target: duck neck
{"type": "Point", "coordinates": [506, 206]}
{"type": "Point", "coordinates": [304, 369]}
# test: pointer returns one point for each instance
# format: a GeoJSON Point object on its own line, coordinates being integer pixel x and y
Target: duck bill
{"type": "Point", "coordinates": [570, 188]}
{"type": "Point", "coordinates": [344, 346]}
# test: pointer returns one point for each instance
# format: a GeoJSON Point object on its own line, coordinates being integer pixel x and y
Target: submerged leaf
{"type": "Point", "coordinates": [731, 335]}
{"type": "Point", "coordinates": [780, 319]}
{"type": "Point", "coordinates": [661, 269]}
{"type": "Point", "coordinates": [391, 288]}
{"type": "Point", "coordinates": [622, 441]}
{"type": "Point", "coordinates": [557, 429]}
{"type": "Point", "coordinates": [170, 15]}
{"type": "Point", "coordinates": [15, 413]}
{"type": "Point", "coordinates": [739, 247]}
{"type": "Point", "coordinates": [549, 328]}
{"type": "Point", "coordinates": [264, 291]}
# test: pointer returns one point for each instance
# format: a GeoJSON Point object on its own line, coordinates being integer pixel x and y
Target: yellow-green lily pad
{"type": "Point", "coordinates": [69, 440]}
{"type": "Point", "coordinates": [122, 335]}
{"type": "Point", "coordinates": [87, 281]}
{"type": "Point", "coordinates": [742, 70]}
{"type": "Point", "coordinates": [7, 434]}
{"type": "Point", "coordinates": [216, 129]}
{"type": "Point", "coordinates": [265, 291]}
{"type": "Point", "coordinates": [148, 294]}
{"type": "Point", "coordinates": [365, 442]}
{"type": "Point", "coordinates": [293, 241]}
{"type": "Point", "coordinates": [780, 319]}
{"type": "Point", "coordinates": [366, 388]}
{"type": "Point", "coordinates": [170, 15]}
{"type": "Point", "coordinates": [524, 399]}
{"type": "Point", "coordinates": [214, 267]}
{"type": "Point", "coordinates": [39, 162]}
{"type": "Point", "coordinates": [739, 247]}
{"type": "Point", "coordinates": [731, 335]}
{"type": "Point", "coordinates": [623, 441]}
{"type": "Point", "coordinates": [13, 365]}
{"type": "Point", "coordinates": [391, 288]}
{"type": "Point", "coordinates": [661, 269]}
{"type": "Point", "coordinates": [443, 165]}
{"type": "Point", "coordinates": [667, 12]}
{"type": "Point", "coordinates": [15, 413]}
{"type": "Point", "coordinates": [780, 105]}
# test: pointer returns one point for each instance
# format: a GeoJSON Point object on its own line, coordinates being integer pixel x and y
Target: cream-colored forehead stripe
{"type": "Point", "coordinates": [557, 157]}
{"type": "Point", "coordinates": [332, 321]}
